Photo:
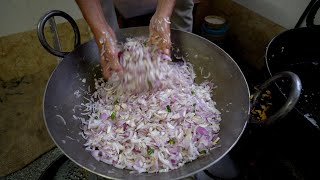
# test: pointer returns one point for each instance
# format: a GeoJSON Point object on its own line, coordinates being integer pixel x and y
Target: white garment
{"type": "Point", "coordinates": [181, 18]}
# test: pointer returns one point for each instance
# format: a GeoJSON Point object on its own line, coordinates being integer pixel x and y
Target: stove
{"type": "Point", "coordinates": [286, 150]}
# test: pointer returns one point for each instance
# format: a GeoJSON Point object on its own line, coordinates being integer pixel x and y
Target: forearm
{"type": "Point", "coordinates": [93, 14]}
{"type": "Point", "coordinates": [165, 8]}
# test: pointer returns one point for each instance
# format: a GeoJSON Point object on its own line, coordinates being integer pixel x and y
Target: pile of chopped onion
{"type": "Point", "coordinates": [144, 68]}
{"type": "Point", "coordinates": [150, 130]}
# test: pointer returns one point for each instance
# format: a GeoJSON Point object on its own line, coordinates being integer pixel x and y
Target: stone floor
{"type": "Point", "coordinates": [25, 67]}
{"type": "Point", "coordinates": [36, 168]}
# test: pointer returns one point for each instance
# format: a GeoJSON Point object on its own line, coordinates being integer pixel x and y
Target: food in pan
{"type": "Point", "coordinates": [152, 118]}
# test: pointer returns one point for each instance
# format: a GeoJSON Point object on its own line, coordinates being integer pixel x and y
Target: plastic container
{"type": "Point", "coordinates": [215, 22]}
{"type": "Point", "coordinates": [215, 29]}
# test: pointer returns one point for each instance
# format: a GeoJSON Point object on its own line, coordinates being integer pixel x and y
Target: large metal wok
{"type": "Point", "coordinates": [296, 50]}
{"type": "Point", "coordinates": [232, 97]}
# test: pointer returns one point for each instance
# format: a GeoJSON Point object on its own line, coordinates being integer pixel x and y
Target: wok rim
{"type": "Point", "coordinates": [245, 119]}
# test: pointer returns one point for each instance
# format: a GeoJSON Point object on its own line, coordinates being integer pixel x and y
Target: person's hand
{"type": "Point", "coordinates": [109, 60]}
{"type": "Point", "coordinates": [160, 33]}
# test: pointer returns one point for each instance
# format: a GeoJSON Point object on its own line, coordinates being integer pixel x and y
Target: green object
{"type": "Point", "coordinates": [149, 84]}
{"type": "Point", "coordinates": [203, 152]}
{"type": "Point", "coordinates": [168, 108]}
{"type": "Point", "coordinates": [150, 151]}
{"type": "Point", "coordinates": [192, 92]}
{"type": "Point", "coordinates": [113, 115]}
{"type": "Point", "coordinates": [194, 104]}
{"type": "Point", "coordinates": [171, 141]}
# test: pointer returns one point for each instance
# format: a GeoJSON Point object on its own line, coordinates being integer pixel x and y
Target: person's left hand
{"type": "Point", "coordinates": [160, 33]}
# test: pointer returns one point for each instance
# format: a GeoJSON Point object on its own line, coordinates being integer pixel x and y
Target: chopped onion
{"type": "Point", "coordinates": [153, 117]}
{"type": "Point", "coordinates": [202, 131]}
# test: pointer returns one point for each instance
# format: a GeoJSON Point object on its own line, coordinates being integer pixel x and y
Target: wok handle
{"type": "Point", "coordinates": [312, 13]}
{"type": "Point", "coordinates": [291, 100]}
{"type": "Point", "coordinates": [40, 30]}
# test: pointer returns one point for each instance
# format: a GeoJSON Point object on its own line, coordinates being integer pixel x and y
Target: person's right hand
{"type": "Point", "coordinates": [107, 44]}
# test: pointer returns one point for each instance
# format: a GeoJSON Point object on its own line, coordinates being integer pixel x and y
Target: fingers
{"type": "Point", "coordinates": [107, 43]}
{"type": "Point", "coordinates": [115, 66]}
{"type": "Point", "coordinates": [110, 62]}
{"type": "Point", "coordinates": [160, 34]}
{"type": "Point", "coordinates": [108, 65]}
{"type": "Point", "coordinates": [162, 42]}
{"type": "Point", "coordinates": [166, 51]}
{"type": "Point", "coordinates": [106, 72]}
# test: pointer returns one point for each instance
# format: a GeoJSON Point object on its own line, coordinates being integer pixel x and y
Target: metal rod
{"type": "Point", "coordinates": [55, 36]}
